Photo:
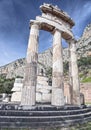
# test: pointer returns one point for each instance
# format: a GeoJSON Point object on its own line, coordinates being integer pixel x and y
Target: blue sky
{"type": "Point", "coordinates": [14, 24]}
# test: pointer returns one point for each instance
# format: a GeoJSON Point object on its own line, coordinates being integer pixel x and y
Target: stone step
{"type": "Point", "coordinates": [36, 124]}
{"type": "Point", "coordinates": [15, 116]}
{"type": "Point", "coordinates": [43, 113]}
{"type": "Point", "coordinates": [37, 108]}
{"type": "Point", "coordinates": [42, 118]}
{"type": "Point", "coordinates": [43, 124]}
{"type": "Point", "coordinates": [51, 108]}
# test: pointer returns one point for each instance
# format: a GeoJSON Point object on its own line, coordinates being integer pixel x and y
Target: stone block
{"type": "Point", "coordinates": [44, 91]}
{"type": "Point", "coordinates": [38, 97]}
{"type": "Point", "coordinates": [46, 97]}
{"type": "Point", "coordinates": [57, 97]}
{"type": "Point", "coordinates": [16, 97]}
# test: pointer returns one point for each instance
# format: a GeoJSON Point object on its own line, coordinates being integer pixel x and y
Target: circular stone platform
{"type": "Point", "coordinates": [42, 116]}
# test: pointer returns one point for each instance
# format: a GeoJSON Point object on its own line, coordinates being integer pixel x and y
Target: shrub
{"type": "Point", "coordinates": [6, 85]}
{"type": "Point", "coordinates": [87, 79]}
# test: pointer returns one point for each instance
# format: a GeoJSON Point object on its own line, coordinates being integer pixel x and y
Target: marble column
{"type": "Point", "coordinates": [30, 80]}
{"type": "Point", "coordinates": [74, 78]}
{"type": "Point", "coordinates": [70, 80]}
{"type": "Point", "coordinates": [57, 79]}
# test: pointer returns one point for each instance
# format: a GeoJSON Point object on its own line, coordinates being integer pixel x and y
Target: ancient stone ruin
{"type": "Point", "coordinates": [30, 115]}
{"type": "Point", "coordinates": [59, 24]}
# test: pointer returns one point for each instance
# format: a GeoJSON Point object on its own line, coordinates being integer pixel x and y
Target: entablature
{"type": "Point", "coordinates": [56, 12]}
{"type": "Point", "coordinates": [49, 25]}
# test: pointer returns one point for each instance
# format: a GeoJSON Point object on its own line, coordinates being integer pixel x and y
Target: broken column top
{"type": "Point", "coordinates": [54, 10]}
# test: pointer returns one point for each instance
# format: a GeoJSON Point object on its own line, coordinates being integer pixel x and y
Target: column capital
{"type": "Point", "coordinates": [56, 29]}
{"type": "Point", "coordinates": [34, 27]}
{"type": "Point", "coordinates": [72, 40]}
{"type": "Point", "coordinates": [34, 22]}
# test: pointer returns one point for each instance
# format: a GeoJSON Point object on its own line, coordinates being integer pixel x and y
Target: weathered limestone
{"type": "Point", "coordinates": [59, 24]}
{"type": "Point", "coordinates": [43, 90]}
{"type": "Point", "coordinates": [29, 88]}
{"type": "Point", "coordinates": [55, 17]}
{"type": "Point", "coordinates": [17, 88]}
{"type": "Point", "coordinates": [57, 81]}
{"type": "Point", "coordinates": [74, 78]}
{"type": "Point", "coordinates": [70, 79]}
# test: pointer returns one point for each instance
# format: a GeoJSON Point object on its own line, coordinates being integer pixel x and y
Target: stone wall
{"type": "Point", "coordinates": [85, 88]}
{"type": "Point", "coordinates": [43, 91]}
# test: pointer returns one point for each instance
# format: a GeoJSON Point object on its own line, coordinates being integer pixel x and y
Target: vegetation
{"type": "Point", "coordinates": [86, 126]}
{"type": "Point", "coordinates": [49, 72]}
{"type": "Point", "coordinates": [66, 67]}
{"type": "Point", "coordinates": [87, 79]}
{"type": "Point", "coordinates": [84, 64]}
{"type": "Point", "coordinates": [6, 84]}
{"type": "Point", "coordinates": [84, 61]}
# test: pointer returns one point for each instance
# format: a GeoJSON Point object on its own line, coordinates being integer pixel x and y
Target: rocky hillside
{"type": "Point", "coordinates": [84, 43]}
{"type": "Point", "coordinates": [13, 69]}
{"type": "Point", "coordinates": [16, 68]}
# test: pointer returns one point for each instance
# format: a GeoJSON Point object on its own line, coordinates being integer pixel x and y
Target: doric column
{"type": "Point", "coordinates": [30, 80]}
{"type": "Point", "coordinates": [74, 78]}
{"type": "Point", "coordinates": [57, 80]}
{"type": "Point", "coordinates": [70, 79]}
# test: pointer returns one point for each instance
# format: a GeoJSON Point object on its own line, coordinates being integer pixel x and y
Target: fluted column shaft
{"type": "Point", "coordinates": [74, 78]}
{"type": "Point", "coordinates": [57, 80]}
{"type": "Point", "coordinates": [30, 80]}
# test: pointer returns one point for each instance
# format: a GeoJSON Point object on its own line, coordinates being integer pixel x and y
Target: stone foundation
{"type": "Point", "coordinates": [85, 89]}
{"type": "Point", "coordinates": [43, 91]}
{"type": "Point", "coordinates": [46, 117]}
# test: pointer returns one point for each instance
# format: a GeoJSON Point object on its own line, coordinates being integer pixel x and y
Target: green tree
{"type": "Point", "coordinates": [6, 85]}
